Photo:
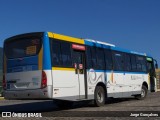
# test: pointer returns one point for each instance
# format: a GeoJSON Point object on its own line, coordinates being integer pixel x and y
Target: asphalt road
{"type": "Point", "coordinates": [114, 109]}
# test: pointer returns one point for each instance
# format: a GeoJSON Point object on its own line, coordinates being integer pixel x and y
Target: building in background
{"type": "Point", "coordinates": [1, 75]}
{"type": "Point", "coordinates": [158, 79]}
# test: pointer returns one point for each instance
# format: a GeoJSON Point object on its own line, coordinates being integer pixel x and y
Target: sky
{"type": "Point", "coordinates": [129, 24]}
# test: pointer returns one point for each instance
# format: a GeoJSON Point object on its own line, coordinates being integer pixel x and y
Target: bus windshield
{"type": "Point", "coordinates": [23, 47]}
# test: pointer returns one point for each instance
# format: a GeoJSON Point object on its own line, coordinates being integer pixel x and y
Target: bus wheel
{"type": "Point", "coordinates": [99, 96]}
{"type": "Point", "coordinates": [64, 104]}
{"type": "Point", "coordinates": [143, 93]}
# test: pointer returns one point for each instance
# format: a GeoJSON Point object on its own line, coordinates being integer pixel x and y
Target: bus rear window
{"type": "Point", "coordinates": [24, 47]}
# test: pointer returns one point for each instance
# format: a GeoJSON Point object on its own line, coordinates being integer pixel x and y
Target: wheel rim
{"type": "Point", "coordinates": [100, 96]}
{"type": "Point", "coordinates": [143, 93]}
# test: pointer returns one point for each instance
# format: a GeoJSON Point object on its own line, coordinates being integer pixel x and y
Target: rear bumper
{"type": "Point", "coordinates": [45, 93]}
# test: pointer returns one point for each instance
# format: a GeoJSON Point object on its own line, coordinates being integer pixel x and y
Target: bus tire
{"type": "Point", "coordinates": [143, 93]}
{"type": "Point", "coordinates": [64, 104]}
{"type": "Point", "coordinates": [99, 96]}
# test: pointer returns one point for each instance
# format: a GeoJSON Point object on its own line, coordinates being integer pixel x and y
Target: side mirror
{"type": "Point", "coordinates": [156, 66]}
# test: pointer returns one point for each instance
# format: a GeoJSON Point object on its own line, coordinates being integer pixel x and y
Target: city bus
{"type": "Point", "coordinates": [46, 65]}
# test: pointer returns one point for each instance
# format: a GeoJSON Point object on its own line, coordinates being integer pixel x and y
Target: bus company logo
{"type": "Point", "coordinates": [92, 76]}
{"type": "Point", "coordinates": [112, 81]}
{"type": "Point", "coordinates": [6, 114]}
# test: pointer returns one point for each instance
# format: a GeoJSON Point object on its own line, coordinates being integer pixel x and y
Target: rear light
{"type": "Point", "coordinates": [4, 82]}
{"type": "Point", "coordinates": [44, 80]}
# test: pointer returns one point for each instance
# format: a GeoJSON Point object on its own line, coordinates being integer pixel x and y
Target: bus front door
{"type": "Point", "coordinates": [151, 71]}
{"type": "Point", "coordinates": [80, 72]}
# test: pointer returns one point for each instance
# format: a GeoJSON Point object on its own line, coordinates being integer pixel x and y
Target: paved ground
{"type": "Point", "coordinates": [114, 109]}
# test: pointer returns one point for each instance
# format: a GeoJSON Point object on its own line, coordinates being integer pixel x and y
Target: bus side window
{"type": "Point", "coordinates": [133, 63]}
{"type": "Point", "coordinates": [118, 61]}
{"type": "Point", "coordinates": [108, 60]}
{"type": "Point", "coordinates": [89, 58]}
{"type": "Point", "coordinates": [56, 53]}
{"type": "Point", "coordinates": [100, 59]}
{"type": "Point", "coordinates": [144, 65]}
{"type": "Point", "coordinates": [138, 61]}
{"type": "Point", "coordinates": [141, 64]}
{"type": "Point", "coordinates": [93, 53]}
{"type": "Point", "coordinates": [61, 53]}
{"type": "Point", "coordinates": [66, 54]}
{"type": "Point", "coordinates": [127, 62]}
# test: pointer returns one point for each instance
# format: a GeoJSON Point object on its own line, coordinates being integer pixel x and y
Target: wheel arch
{"type": "Point", "coordinates": [145, 84]}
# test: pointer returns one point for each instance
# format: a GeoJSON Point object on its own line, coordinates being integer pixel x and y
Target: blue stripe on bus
{"type": "Point", "coordinates": [27, 60]}
{"type": "Point", "coordinates": [127, 51]}
{"type": "Point", "coordinates": [90, 43]}
{"type": "Point", "coordinates": [95, 44]}
{"type": "Point", "coordinates": [22, 68]}
{"type": "Point", "coordinates": [120, 49]}
{"type": "Point", "coordinates": [46, 52]}
{"type": "Point", "coordinates": [126, 72]}
{"type": "Point", "coordinates": [31, 60]}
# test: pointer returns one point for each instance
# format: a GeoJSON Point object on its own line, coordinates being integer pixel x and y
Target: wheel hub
{"type": "Point", "coordinates": [100, 97]}
{"type": "Point", "coordinates": [143, 93]}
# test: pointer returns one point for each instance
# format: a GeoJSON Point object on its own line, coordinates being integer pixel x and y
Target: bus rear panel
{"type": "Point", "coordinates": [24, 76]}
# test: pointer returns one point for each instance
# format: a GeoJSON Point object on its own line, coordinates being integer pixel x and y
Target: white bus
{"type": "Point", "coordinates": [46, 65]}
